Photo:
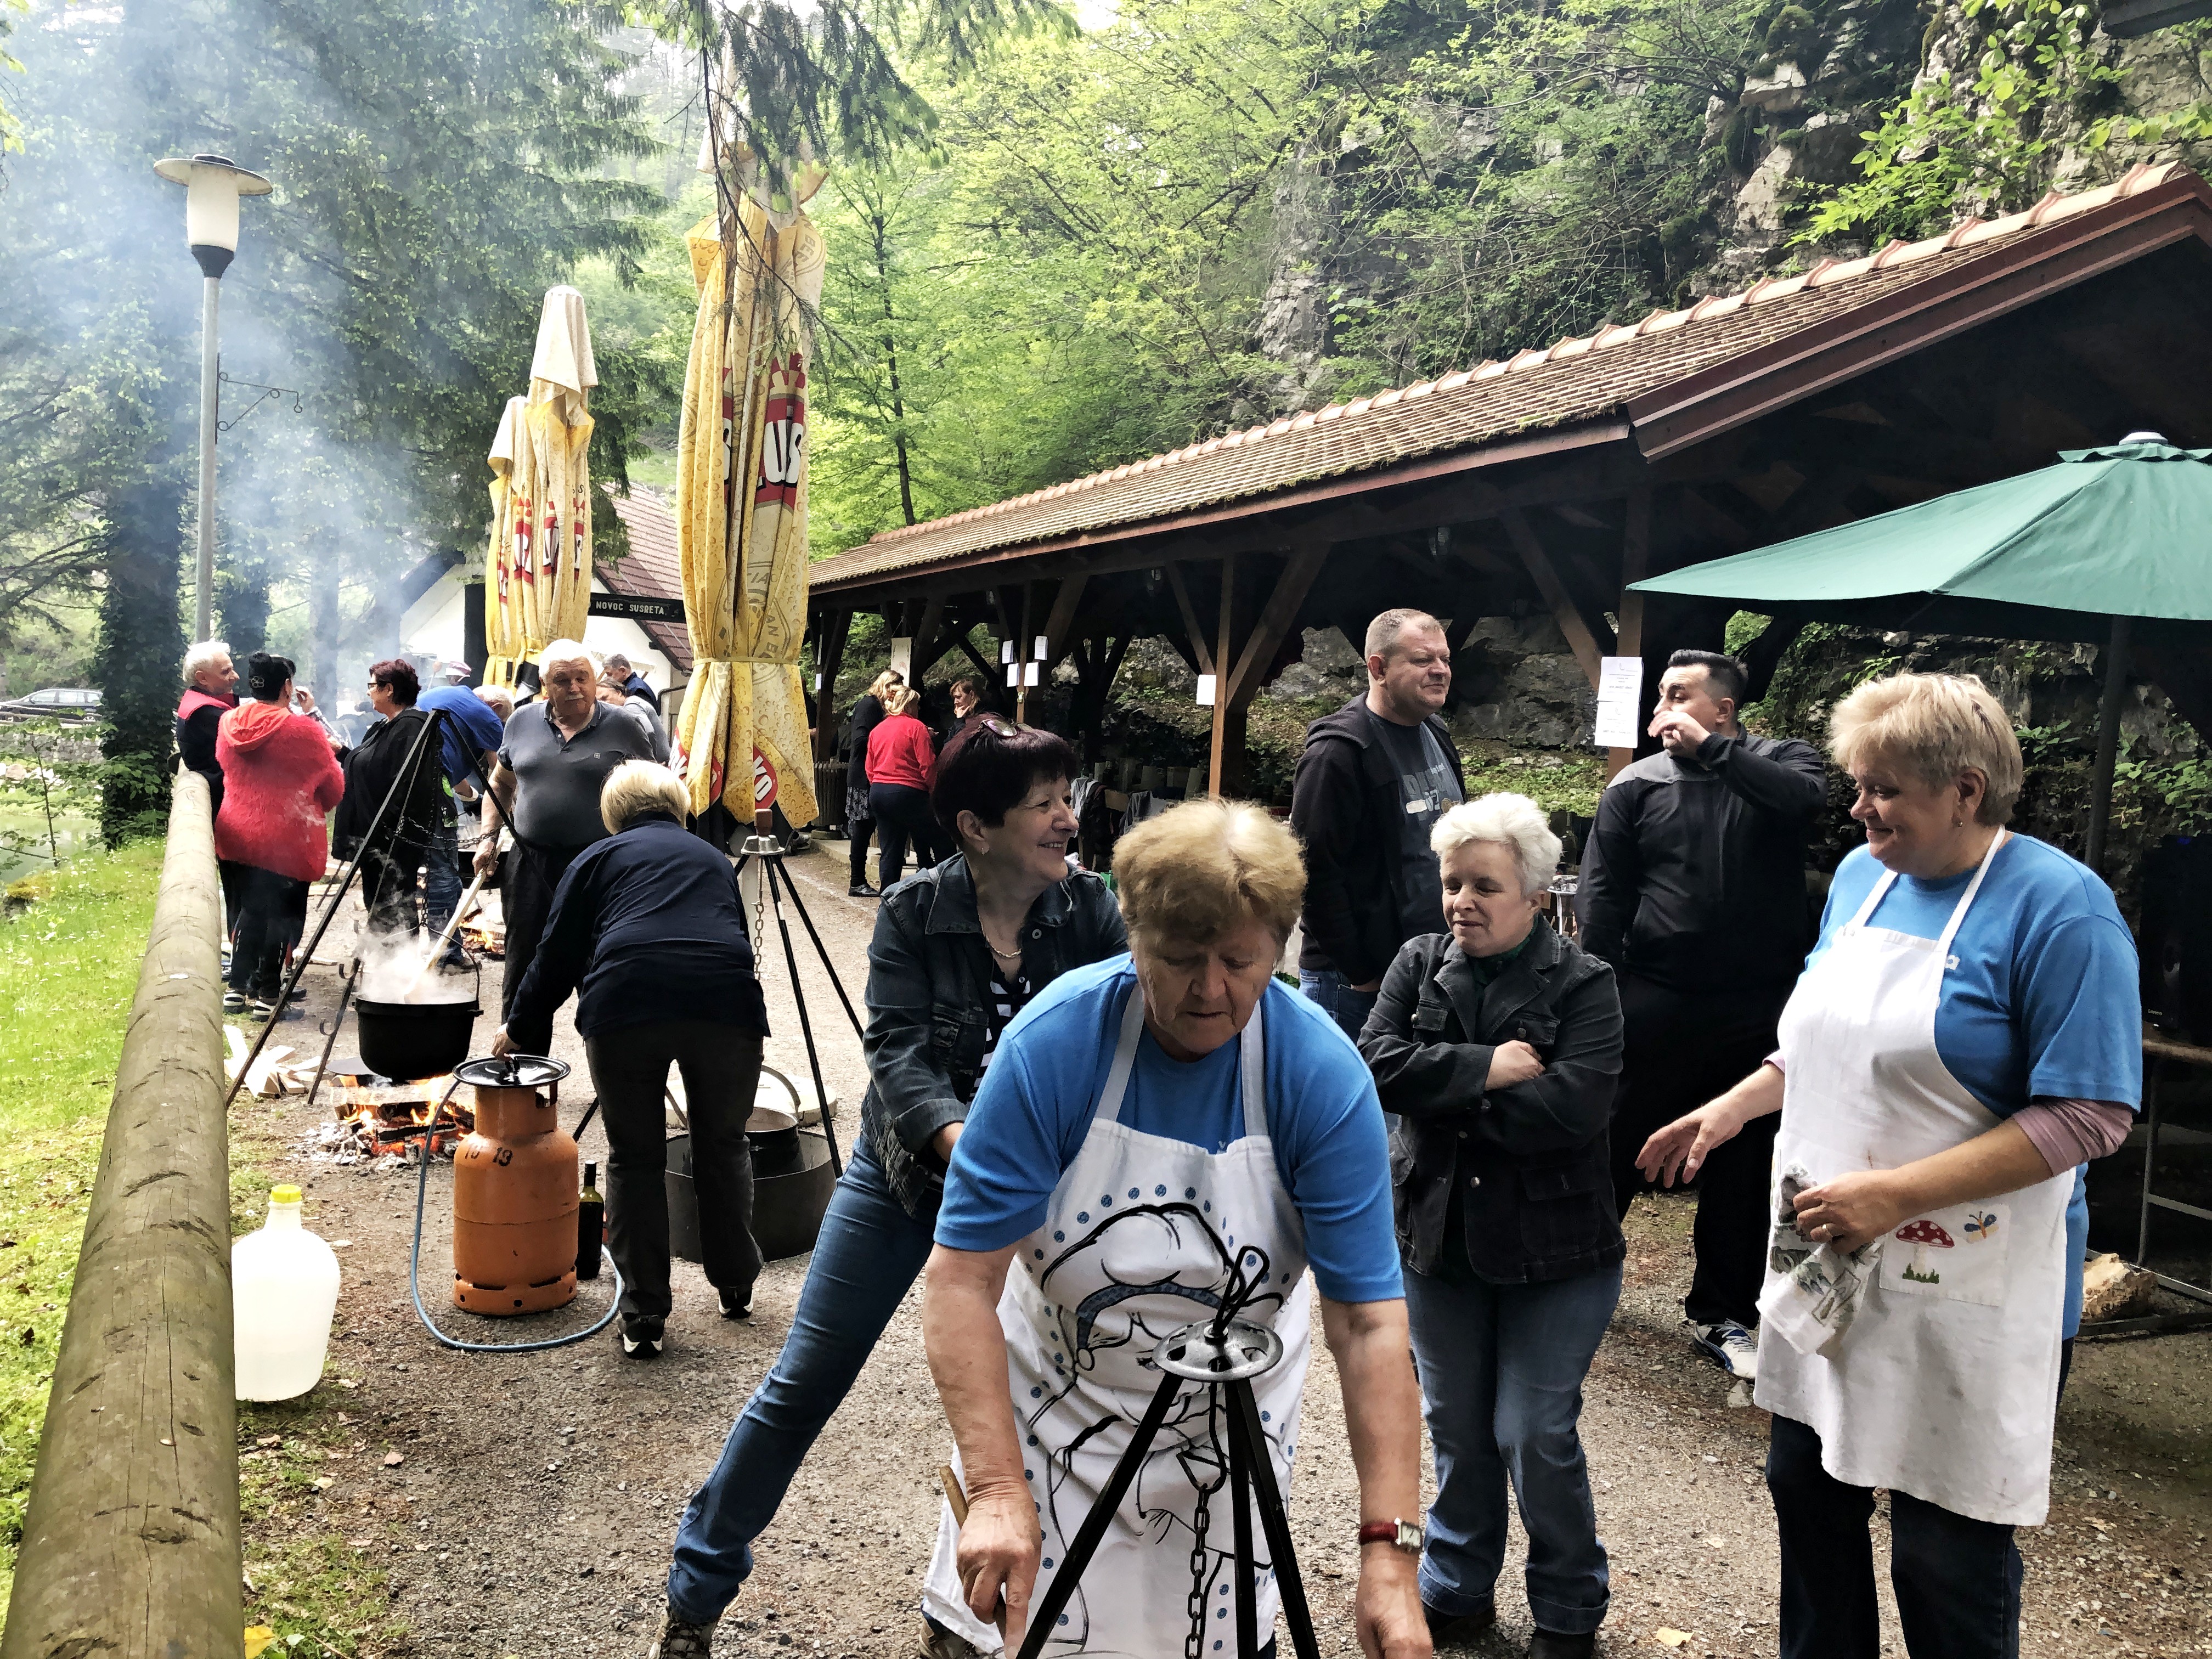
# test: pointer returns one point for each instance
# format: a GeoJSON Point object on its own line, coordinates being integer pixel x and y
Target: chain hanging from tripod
{"type": "Point", "coordinates": [1236, 1295]}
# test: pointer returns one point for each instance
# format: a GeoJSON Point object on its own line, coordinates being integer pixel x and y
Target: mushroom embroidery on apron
{"type": "Point", "coordinates": [1144, 1235]}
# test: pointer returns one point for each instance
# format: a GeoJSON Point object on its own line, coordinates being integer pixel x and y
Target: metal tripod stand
{"type": "Point", "coordinates": [1225, 1354]}
{"type": "Point", "coordinates": [760, 868]}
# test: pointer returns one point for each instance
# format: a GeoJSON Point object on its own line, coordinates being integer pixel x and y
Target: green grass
{"type": "Point", "coordinates": [68, 965]}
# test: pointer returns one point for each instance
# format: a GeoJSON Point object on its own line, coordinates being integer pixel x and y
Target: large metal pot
{"type": "Point", "coordinates": [408, 1040]}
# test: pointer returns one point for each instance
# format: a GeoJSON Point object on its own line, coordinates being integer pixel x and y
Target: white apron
{"type": "Point", "coordinates": [1946, 1384]}
{"type": "Point", "coordinates": [1143, 1235]}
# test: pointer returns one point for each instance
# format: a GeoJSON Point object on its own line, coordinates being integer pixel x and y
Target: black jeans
{"type": "Point", "coordinates": [1680, 1049]}
{"type": "Point", "coordinates": [1957, 1580]}
{"type": "Point", "coordinates": [721, 1073]}
{"type": "Point", "coordinates": [901, 813]}
{"type": "Point", "coordinates": [527, 901]}
{"type": "Point", "coordinates": [272, 913]}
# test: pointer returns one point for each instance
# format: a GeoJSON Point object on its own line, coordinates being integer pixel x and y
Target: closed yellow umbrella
{"type": "Point", "coordinates": [540, 563]}
{"type": "Point", "coordinates": [503, 600]}
{"type": "Point", "coordinates": [743, 730]}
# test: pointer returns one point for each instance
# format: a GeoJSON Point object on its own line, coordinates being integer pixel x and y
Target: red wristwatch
{"type": "Point", "coordinates": [1404, 1535]}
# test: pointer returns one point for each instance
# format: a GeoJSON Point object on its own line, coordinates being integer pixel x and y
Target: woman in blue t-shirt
{"type": "Point", "coordinates": [1165, 1137]}
{"type": "Point", "coordinates": [1965, 1035]}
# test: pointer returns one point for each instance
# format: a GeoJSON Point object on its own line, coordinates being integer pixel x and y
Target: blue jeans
{"type": "Point", "coordinates": [1501, 1369]}
{"type": "Point", "coordinates": [868, 1255]}
{"type": "Point", "coordinates": [1957, 1579]}
{"type": "Point", "coordinates": [1347, 1007]}
{"type": "Point", "coordinates": [441, 884]}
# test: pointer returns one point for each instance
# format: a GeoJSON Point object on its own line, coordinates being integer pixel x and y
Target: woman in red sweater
{"type": "Point", "coordinates": [901, 765]}
{"type": "Point", "coordinates": [279, 780]}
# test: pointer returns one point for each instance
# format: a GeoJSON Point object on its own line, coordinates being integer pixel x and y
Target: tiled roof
{"type": "Point", "coordinates": [1576, 381]}
{"type": "Point", "coordinates": [653, 570]}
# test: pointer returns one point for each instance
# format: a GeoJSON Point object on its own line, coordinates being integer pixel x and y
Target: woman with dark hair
{"type": "Point", "coordinates": [859, 818]}
{"type": "Point", "coordinates": [969, 693]}
{"type": "Point", "coordinates": [902, 761]}
{"type": "Point", "coordinates": [956, 951]}
{"type": "Point", "coordinates": [279, 778]}
{"type": "Point", "coordinates": [392, 860]}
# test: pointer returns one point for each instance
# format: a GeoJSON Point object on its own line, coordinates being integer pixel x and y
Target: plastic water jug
{"type": "Point", "coordinates": [284, 1291]}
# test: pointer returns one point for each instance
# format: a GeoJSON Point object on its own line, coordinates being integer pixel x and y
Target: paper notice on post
{"type": "Point", "coordinates": [1619, 702]}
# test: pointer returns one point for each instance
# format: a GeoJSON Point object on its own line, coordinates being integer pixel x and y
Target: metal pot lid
{"type": "Point", "coordinates": [511, 1071]}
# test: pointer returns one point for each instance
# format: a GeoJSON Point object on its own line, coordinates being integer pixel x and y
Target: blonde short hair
{"type": "Point", "coordinates": [204, 655]}
{"type": "Point", "coordinates": [1204, 869]}
{"type": "Point", "coordinates": [638, 787]}
{"type": "Point", "coordinates": [497, 698]}
{"type": "Point", "coordinates": [568, 650]}
{"type": "Point", "coordinates": [880, 688]}
{"type": "Point", "coordinates": [1503, 820]}
{"type": "Point", "coordinates": [1934, 726]}
{"type": "Point", "coordinates": [902, 699]}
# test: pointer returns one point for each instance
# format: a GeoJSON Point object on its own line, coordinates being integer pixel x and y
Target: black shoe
{"type": "Point", "coordinates": [1456, 1629]}
{"type": "Point", "coordinates": [861, 889]}
{"type": "Point", "coordinates": [640, 1340]}
{"type": "Point", "coordinates": [733, 1309]}
{"type": "Point", "coordinates": [1551, 1644]}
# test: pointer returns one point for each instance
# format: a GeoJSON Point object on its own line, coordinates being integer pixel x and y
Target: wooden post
{"type": "Point", "coordinates": [1634, 560]}
{"type": "Point", "coordinates": [830, 660]}
{"type": "Point", "coordinates": [1021, 662]}
{"type": "Point", "coordinates": [1222, 658]}
{"type": "Point", "coordinates": [130, 1546]}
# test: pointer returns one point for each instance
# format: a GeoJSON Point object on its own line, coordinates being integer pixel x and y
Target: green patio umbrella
{"type": "Point", "coordinates": [2085, 550]}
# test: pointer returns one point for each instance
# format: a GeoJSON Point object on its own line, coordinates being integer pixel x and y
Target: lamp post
{"type": "Point", "coordinates": [212, 184]}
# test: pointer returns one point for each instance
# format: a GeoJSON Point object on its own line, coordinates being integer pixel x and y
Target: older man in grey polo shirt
{"type": "Point", "coordinates": [555, 755]}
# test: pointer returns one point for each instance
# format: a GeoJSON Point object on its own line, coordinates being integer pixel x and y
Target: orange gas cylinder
{"type": "Point", "coordinates": [515, 1192]}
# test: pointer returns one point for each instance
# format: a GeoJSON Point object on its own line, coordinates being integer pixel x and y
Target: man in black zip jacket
{"type": "Point", "coordinates": [1693, 887]}
{"type": "Point", "coordinates": [1375, 777]}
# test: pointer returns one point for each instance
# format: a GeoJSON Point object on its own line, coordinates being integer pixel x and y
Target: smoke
{"type": "Point", "coordinates": [392, 964]}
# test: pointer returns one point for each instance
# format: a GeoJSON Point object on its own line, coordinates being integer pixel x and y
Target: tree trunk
{"type": "Point", "coordinates": [882, 246]}
{"type": "Point", "coordinates": [141, 645]}
{"type": "Point", "coordinates": [241, 596]}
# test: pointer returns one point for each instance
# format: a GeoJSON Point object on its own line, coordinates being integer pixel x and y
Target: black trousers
{"type": "Point", "coordinates": [272, 913]}
{"type": "Point", "coordinates": [527, 902]}
{"type": "Point", "coordinates": [722, 1072]}
{"type": "Point", "coordinates": [901, 814]}
{"type": "Point", "coordinates": [1680, 1049]}
{"type": "Point", "coordinates": [389, 877]}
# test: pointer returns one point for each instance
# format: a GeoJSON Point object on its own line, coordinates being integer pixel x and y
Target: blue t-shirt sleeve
{"type": "Point", "coordinates": [2080, 1008]}
{"type": "Point", "coordinates": [1009, 1157]}
{"type": "Point", "coordinates": [1337, 1167]}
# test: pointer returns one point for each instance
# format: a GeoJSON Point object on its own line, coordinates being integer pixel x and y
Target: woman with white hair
{"type": "Point", "coordinates": [553, 761]}
{"type": "Point", "coordinates": [1498, 1048]}
{"type": "Point", "coordinates": [1967, 1035]}
{"type": "Point", "coordinates": [648, 926]}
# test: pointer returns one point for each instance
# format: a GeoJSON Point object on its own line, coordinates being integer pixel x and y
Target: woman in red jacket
{"type": "Point", "coordinates": [901, 765]}
{"type": "Point", "coordinates": [279, 780]}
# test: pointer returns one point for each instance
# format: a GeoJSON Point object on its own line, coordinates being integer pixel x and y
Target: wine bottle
{"type": "Point", "coordinates": [591, 1224]}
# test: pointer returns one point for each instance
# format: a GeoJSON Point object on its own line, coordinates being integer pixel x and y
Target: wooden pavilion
{"type": "Point", "coordinates": [1555, 478]}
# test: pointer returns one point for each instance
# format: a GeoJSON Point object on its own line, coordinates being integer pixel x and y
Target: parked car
{"type": "Point", "coordinates": [71, 705]}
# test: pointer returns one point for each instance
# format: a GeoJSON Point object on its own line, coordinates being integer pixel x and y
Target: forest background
{"type": "Point", "coordinates": [1056, 243]}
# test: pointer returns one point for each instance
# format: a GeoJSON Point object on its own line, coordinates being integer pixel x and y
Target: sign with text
{"type": "Point", "coordinates": [637, 607]}
{"type": "Point", "coordinates": [1619, 702]}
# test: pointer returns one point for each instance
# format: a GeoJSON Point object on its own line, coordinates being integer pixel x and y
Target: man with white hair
{"type": "Point", "coordinates": [209, 691]}
{"type": "Point", "coordinates": [553, 760]}
{"type": "Point", "coordinates": [1375, 777]}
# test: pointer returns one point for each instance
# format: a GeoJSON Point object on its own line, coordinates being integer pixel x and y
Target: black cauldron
{"type": "Point", "coordinates": [408, 1040]}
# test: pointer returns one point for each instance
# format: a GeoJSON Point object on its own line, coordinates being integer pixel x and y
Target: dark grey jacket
{"type": "Point", "coordinates": [1695, 876]}
{"type": "Point", "coordinates": [1347, 809]}
{"type": "Point", "coordinates": [929, 1005]}
{"type": "Point", "coordinates": [1530, 1160]}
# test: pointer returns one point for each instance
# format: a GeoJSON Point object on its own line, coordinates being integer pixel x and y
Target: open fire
{"type": "Point", "coordinates": [368, 1127]}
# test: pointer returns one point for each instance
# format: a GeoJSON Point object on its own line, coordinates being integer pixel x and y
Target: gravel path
{"type": "Point", "coordinates": [531, 1512]}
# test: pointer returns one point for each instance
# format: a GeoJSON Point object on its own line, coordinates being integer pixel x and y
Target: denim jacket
{"type": "Point", "coordinates": [1530, 1161]}
{"type": "Point", "coordinates": [929, 974]}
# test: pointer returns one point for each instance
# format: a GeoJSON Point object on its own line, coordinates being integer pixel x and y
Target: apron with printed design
{"type": "Point", "coordinates": [1946, 1384]}
{"type": "Point", "coordinates": [1143, 1234]}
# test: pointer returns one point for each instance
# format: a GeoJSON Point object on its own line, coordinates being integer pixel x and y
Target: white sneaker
{"type": "Point", "coordinates": [1734, 1347]}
